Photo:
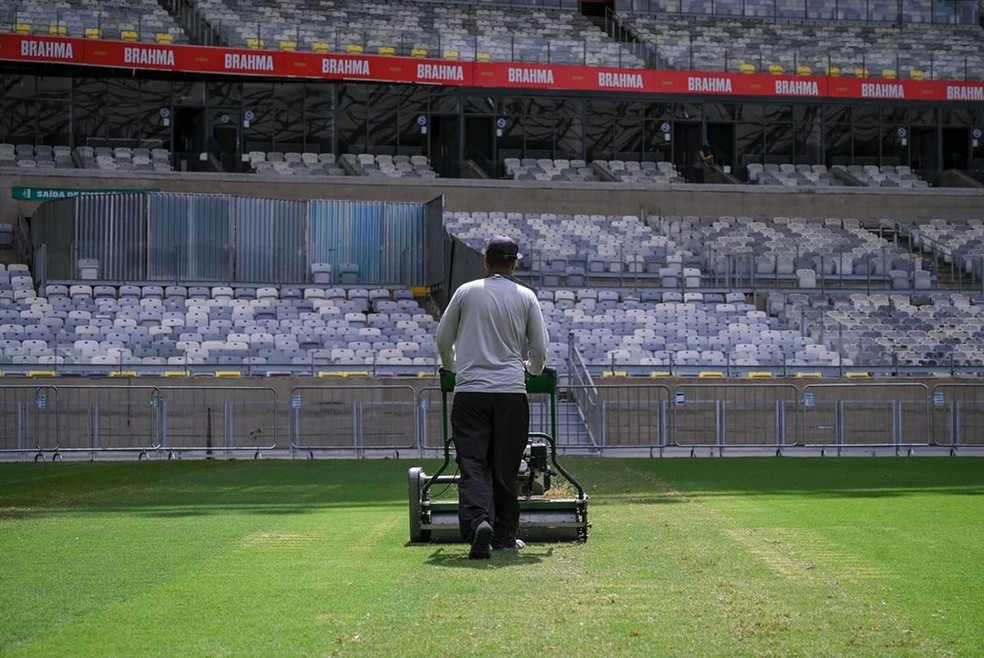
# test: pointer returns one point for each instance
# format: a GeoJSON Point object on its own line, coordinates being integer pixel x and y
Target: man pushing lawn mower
{"type": "Point", "coordinates": [482, 337]}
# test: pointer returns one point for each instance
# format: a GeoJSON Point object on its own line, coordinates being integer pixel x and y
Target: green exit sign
{"type": "Point", "coordinates": [52, 193]}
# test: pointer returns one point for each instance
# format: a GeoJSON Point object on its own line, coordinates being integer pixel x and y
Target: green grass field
{"type": "Point", "coordinates": [687, 557]}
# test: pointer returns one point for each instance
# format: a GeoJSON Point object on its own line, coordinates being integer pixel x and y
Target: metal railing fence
{"type": "Point", "coordinates": [359, 419]}
{"type": "Point", "coordinates": [720, 416]}
{"type": "Point", "coordinates": [886, 414]}
{"type": "Point", "coordinates": [957, 416]}
{"type": "Point", "coordinates": [218, 420]}
{"type": "Point", "coordinates": [54, 420]}
{"type": "Point", "coordinates": [622, 416]}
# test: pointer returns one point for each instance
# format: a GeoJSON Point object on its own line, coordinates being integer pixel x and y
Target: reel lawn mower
{"type": "Point", "coordinates": [546, 515]}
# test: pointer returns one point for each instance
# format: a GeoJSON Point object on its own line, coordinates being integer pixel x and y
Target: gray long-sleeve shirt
{"type": "Point", "coordinates": [487, 327]}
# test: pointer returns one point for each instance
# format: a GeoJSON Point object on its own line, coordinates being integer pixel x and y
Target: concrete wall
{"type": "Point", "coordinates": [604, 198]}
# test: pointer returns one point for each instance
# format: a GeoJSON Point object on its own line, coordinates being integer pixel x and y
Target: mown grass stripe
{"type": "Point", "coordinates": [686, 557]}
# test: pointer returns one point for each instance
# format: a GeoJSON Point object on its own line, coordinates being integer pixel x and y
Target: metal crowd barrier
{"type": "Point", "coordinates": [28, 418]}
{"type": "Point", "coordinates": [958, 416]}
{"type": "Point", "coordinates": [429, 426]}
{"type": "Point", "coordinates": [218, 420]}
{"type": "Point", "coordinates": [626, 416]}
{"type": "Point", "coordinates": [733, 416]}
{"type": "Point", "coordinates": [52, 420]}
{"type": "Point", "coordinates": [103, 419]}
{"type": "Point", "coordinates": [56, 420]}
{"type": "Point", "coordinates": [875, 415]}
{"type": "Point", "coordinates": [354, 419]}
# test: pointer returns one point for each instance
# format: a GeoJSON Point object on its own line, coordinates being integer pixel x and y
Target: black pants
{"type": "Point", "coordinates": [490, 432]}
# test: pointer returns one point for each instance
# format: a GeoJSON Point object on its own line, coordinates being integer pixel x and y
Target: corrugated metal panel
{"type": "Point", "coordinates": [405, 258]}
{"type": "Point", "coordinates": [167, 235]}
{"type": "Point", "coordinates": [52, 234]}
{"type": "Point", "coordinates": [111, 229]}
{"type": "Point", "coordinates": [327, 243]}
{"type": "Point", "coordinates": [271, 239]}
{"type": "Point", "coordinates": [189, 237]}
{"type": "Point", "coordinates": [386, 240]}
{"type": "Point", "coordinates": [199, 237]}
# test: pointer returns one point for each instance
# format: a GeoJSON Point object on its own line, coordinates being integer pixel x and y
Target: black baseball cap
{"type": "Point", "coordinates": [502, 247]}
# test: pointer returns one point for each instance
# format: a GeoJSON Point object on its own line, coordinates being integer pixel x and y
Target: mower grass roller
{"type": "Point", "coordinates": [543, 517]}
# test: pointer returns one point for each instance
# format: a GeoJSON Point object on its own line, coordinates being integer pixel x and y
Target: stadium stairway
{"type": "Point", "coordinates": [571, 430]}
{"type": "Point", "coordinates": [572, 433]}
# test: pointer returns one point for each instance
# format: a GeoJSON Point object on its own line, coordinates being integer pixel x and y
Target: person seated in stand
{"type": "Point", "coordinates": [706, 156]}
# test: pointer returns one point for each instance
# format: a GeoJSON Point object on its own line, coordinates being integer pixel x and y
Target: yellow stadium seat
{"type": "Point", "coordinates": [808, 375]}
{"type": "Point", "coordinates": [658, 374]}
{"type": "Point", "coordinates": [452, 54]}
{"type": "Point", "coordinates": [760, 375]}
{"type": "Point", "coordinates": [354, 49]}
{"type": "Point", "coordinates": [387, 51]}
{"type": "Point", "coordinates": [857, 375]}
{"type": "Point", "coordinates": [861, 72]}
{"type": "Point", "coordinates": [129, 35]}
{"type": "Point", "coordinates": [917, 74]}
{"type": "Point", "coordinates": [93, 33]}
{"type": "Point", "coordinates": [747, 67]}
{"type": "Point", "coordinates": [320, 47]}
{"type": "Point", "coordinates": [889, 74]}
{"type": "Point", "coordinates": [175, 373]}
{"type": "Point", "coordinates": [483, 57]}
{"type": "Point", "coordinates": [418, 52]}
{"type": "Point", "coordinates": [776, 69]}
{"type": "Point", "coordinates": [124, 373]}
{"type": "Point", "coordinates": [834, 71]}
{"type": "Point", "coordinates": [42, 373]}
{"type": "Point", "coordinates": [710, 374]}
{"type": "Point", "coordinates": [288, 46]}
{"type": "Point", "coordinates": [228, 373]}
{"type": "Point", "coordinates": [803, 69]}
{"type": "Point", "coordinates": [164, 37]}
{"type": "Point", "coordinates": [22, 28]}
{"type": "Point", "coordinates": [254, 43]}
{"type": "Point", "coordinates": [608, 374]}
{"type": "Point", "coordinates": [343, 373]}
{"type": "Point", "coordinates": [57, 30]}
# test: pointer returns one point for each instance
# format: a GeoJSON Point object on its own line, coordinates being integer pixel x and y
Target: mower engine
{"type": "Point", "coordinates": [533, 478]}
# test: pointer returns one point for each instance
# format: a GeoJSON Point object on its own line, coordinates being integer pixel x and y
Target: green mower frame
{"type": "Point", "coordinates": [541, 518]}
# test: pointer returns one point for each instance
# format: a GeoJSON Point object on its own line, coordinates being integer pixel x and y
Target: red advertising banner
{"type": "Point", "coordinates": [198, 59]}
{"type": "Point", "coordinates": [696, 83]}
{"type": "Point", "coordinates": [558, 76]}
{"type": "Point", "coordinates": [911, 90]}
{"type": "Point", "coordinates": [42, 49]}
{"type": "Point", "coordinates": [375, 67]}
{"type": "Point", "coordinates": [954, 90]}
{"type": "Point", "coordinates": [506, 75]}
